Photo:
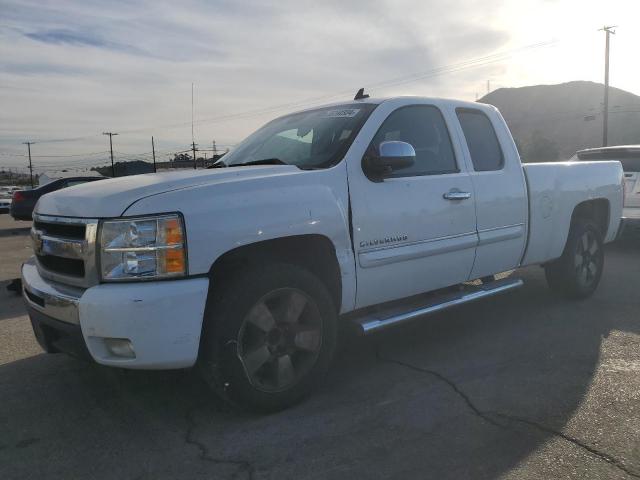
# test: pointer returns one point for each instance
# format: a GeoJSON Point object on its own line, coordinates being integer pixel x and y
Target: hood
{"type": "Point", "coordinates": [110, 198]}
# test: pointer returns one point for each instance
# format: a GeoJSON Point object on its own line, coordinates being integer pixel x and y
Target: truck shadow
{"type": "Point", "coordinates": [15, 232]}
{"type": "Point", "coordinates": [12, 303]}
{"type": "Point", "coordinates": [466, 394]}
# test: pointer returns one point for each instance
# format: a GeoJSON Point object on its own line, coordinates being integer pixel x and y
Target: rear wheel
{"type": "Point", "coordinates": [269, 337]}
{"type": "Point", "coordinates": [576, 274]}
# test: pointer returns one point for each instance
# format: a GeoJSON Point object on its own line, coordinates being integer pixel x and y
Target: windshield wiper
{"type": "Point", "coordinates": [262, 161]}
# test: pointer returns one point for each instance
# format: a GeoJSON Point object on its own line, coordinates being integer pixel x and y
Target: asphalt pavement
{"type": "Point", "coordinates": [521, 386]}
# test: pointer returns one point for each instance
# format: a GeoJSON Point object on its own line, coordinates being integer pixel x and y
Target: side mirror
{"type": "Point", "coordinates": [393, 155]}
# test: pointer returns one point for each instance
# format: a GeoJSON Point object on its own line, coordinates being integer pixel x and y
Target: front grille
{"type": "Point", "coordinates": [65, 230]}
{"type": "Point", "coordinates": [65, 249]}
{"type": "Point", "coordinates": [65, 266]}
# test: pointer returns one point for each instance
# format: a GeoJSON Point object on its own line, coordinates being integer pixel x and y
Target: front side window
{"type": "Point", "coordinates": [482, 141]}
{"type": "Point", "coordinates": [312, 139]}
{"type": "Point", "coordinates": [423, 127]}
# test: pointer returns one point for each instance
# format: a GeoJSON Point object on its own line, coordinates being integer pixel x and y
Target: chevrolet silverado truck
{"type": "Point", "coordinates": [372, 212]}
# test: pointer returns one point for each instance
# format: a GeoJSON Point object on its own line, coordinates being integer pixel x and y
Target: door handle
{"type": "Point", "coordinates": [456, 195]}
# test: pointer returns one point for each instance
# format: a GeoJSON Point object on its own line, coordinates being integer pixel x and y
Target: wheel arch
{"type": "Point", "coordinates": [313, 252]}
{"type": "Point", "coordinates": [594, 210]}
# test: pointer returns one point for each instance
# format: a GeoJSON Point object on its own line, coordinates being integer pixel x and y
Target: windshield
{"type": "Point", "coordinates": [311, 139]}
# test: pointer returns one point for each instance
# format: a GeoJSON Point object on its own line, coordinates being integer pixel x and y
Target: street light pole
{"type": "Point", "coordinates": [28, 144]}
{"type": "Point", "coordinates": [605, 114]}
{"type": "Point", "coordinates": [153, 149]}
{"type": "Point", "coordinates": [113, 168]}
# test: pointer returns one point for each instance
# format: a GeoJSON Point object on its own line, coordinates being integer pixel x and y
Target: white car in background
{"type": "Point", "coordinates": [629, 157]}
{"type": "Point", "coordinates": [5, 204]}
{"type": "Point", "coordinates": [5, 199]}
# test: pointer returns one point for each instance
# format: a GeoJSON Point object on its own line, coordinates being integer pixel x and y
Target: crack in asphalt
{"type": "Point", "coordinates": [243, 466]}
{"type": "Point", "coordinates": [486, 415]}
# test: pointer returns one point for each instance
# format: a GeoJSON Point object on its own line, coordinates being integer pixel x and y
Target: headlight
{"type": "Point", "coordinates": [143, 248]}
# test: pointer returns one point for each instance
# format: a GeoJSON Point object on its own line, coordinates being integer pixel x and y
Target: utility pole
{"type": "Point", "coordinates": [28, 144]}
{"type": "Point", "coordinates": [195, 162]}
{"type": "Point", "coordinates": [488, 87]}
{"type": "Point", "coordinates": [153, 149]}
{"type": "Point", "coordinates": [113, 168]}
{"type": "Point", "coordinates": [605, 114]}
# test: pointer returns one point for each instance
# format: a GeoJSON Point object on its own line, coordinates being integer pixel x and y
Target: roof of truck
{"type": "Point", "coordinates": [401, 98]}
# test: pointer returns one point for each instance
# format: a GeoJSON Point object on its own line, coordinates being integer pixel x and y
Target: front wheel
{"type": "Point", "coordinates": [576, 274]}
{"type": "Point", "coordinates": [270, 334]}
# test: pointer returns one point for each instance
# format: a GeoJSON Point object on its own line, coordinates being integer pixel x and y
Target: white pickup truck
{"type": "Point", "coordinates": [366, 212]}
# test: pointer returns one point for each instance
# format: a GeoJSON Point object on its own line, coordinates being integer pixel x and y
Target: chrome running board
{"type": "Point", "coordinates": [380, 319]}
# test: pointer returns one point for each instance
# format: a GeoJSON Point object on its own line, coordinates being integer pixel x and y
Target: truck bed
{"type": "Point", "coordinates": [555, 189]}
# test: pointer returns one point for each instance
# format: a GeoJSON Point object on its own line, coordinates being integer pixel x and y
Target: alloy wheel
{"type": "Point", "coordinates": [280, 339]}
{"type": "Point", "coordinates": [587, 259]}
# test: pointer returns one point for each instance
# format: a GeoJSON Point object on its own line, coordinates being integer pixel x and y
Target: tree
{"type": "Point", "coordinates": [182, 157]}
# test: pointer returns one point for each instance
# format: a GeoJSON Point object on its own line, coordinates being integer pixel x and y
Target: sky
{"type": "Point", "coordinates": [70, 71]}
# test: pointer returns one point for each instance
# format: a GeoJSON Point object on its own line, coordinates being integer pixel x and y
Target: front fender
{"type": "Point", "coordinates": [225, 216]}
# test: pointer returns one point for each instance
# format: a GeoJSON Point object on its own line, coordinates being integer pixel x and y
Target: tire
{"type": "Point", "coordinates": [269, 337]}
{"type": "Point", "coordinates": [576, 274]}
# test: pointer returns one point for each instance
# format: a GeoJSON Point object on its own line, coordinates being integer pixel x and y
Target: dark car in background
{"type": "Point", "coordinates": [24, 201]}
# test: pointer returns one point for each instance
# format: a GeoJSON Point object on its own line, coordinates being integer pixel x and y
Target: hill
{"type": "Point", "coordinates": [551, 122]}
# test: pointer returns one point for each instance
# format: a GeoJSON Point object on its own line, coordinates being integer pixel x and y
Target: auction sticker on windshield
{"type": "Point", "coordinates": [342, 113]}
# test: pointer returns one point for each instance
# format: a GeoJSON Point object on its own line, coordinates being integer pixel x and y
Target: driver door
{"type": "Point", "coordinates": [410, 234]}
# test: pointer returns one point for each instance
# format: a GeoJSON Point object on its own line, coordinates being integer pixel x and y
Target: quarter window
{"type": "Point", "coordinates": [423, 127]}
{"type": "Point", "coordinates": [482, 141]}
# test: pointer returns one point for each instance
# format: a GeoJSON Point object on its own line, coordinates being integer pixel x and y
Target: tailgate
{"type": "Point", "coordinates": [632, 189]}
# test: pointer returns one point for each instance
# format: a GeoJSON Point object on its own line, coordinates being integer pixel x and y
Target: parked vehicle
{"type": "Point", "coordinates": [6, 192]}
{"type": "Point", "coordinates": [24, 201]}
{"type": "Point", "coordinates": [629, 157]}
{"type": "Point", "coordinates": [5, 203]}
{"type": "Point", "coordinates": [333, 214]}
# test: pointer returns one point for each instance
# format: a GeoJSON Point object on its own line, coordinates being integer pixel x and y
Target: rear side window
{"type": "Point", "coordinates": [482, 141]}
{"type": "Point", "coordinates": [423, 127]}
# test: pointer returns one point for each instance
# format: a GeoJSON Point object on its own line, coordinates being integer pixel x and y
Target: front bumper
{"type": "Point", "coordinates": [162, 320]}
{"type": "Point", "coordinates": [56, 336]}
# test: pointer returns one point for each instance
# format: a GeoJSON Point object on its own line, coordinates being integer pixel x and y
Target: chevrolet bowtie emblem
{"type": "Point", "coordinates": [37, 242]}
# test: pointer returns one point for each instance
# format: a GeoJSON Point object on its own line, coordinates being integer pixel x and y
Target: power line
{"type": "Point", "coordinates": [449, 68]}
{"type": "Point", "coordinates": [55, 156]}
{"type": "Point", "coordinates": [441, 70]}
